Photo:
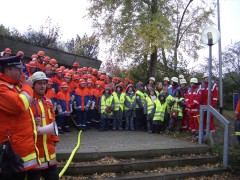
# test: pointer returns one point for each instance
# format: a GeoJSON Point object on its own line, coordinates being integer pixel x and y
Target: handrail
{"type": "Point", "coordinates": [226, 124]}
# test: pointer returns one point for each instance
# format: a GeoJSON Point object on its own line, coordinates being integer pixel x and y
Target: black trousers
{"type": "Point", "coordinates": [15, 176]}
{"type": "Point", "coordinates": [48, 174]}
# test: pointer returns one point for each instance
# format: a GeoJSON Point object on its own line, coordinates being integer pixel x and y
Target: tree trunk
{"type": "Point", "coordinates": [152, 64]}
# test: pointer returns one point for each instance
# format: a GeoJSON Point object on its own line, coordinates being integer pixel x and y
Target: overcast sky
{"type": "Point", "coordinates": [69, 15]}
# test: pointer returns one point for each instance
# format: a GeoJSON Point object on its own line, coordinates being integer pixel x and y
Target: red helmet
{"type": "Point", "coordinates": [64, 84]}
{"type": "Point", "coordinates": [41, 53]}
{"type": "Point", "coordinates": [82, 81]}
{"type": "Point", "coordinates": [71, 72]}
{"type": "Point", "coordinates": [50, 81]}
{"type": "Point", "coordinates": [84, 76]}
{"type": "Point", "coordinates": [34, 56]}
{"type": "Point", "coordinates": [67, 75]}
{"type": "Point", "coordinates": [95, 72]}
{"type": "Point", "coordinates": [76, 77]}
{"type": "Point", "coordinates": [32, 64]}
{"type": "Point", "coordinates": [20, 53]}
{"type": "Point", "coordinates": [65, 71]}
{"type": "Point", "coordinates": [89, 81]}
{"type": "Point", "coordinates": [48, 66]}
{"type": "Point", "coordinates": [58, 70]}
{"type": "Point", "coordinates": [53, 62]}
{"type": "Point", "coordinates": [76, 64]}
{"type": "Point", "coordinates": [90, 69]}
{"type": "Point", "coordinates": [47, 58]}
{"type": "Point", "coordinates": [7, 51]}
{"type": "Point", "coordinates": [62, 68]}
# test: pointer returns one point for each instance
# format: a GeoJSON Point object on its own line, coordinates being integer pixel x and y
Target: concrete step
{"type": "Point", "coordinates": [129, 165]}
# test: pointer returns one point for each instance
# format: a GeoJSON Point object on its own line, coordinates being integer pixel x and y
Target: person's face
{"type": "Point", "coordinates": [59, 74]}
{"type": "Point", "coordinates": [152, 93]}
{"type": "Point", "coordinates": [82, 85]}
{"type": "Point", "coordinates": [48, 71]}
{"type": "Point", "coordinates": [118, 89]}
{"type": "Point", "coordinates": [40, 87]}
{"type": "Point", "coordinates": [107, 91]}
{"type": "Point", "coordinates": [151, 81]}
{"type": "Point", "coordinates": [165, 83]}
{"type": "Point", "coordinates": [32, 69]}
{"type": "Point", "coordinates": [205, 79]}
{"type": "Point", "coordinates": [191, 85]}
{"type": "Point", "coordinates": [49, 86]}
{"type": "Point", "coordinates": [14, 73]}
{"type": "Point", "coordinates": [64, 89]}
{"type": "Point", "coordinates": [6, 54]}
{"type": "Point", "coordinates": [130, 89]}
{"type": "Point", "coordinates": [182, 85]}
{"type": "Point", "coordinates": [177, 93]}
{"type": "Point", "coordinates": [160, 86]}
{"type": "Point", "coordinates": [67, 80]}
{"type": "Point", "coordinates": [161, 98]}
{"type": "Point", "coordinates": [89, 84]}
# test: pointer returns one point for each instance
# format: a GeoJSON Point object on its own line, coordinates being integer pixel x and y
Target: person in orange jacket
{"type": "Point", "coordinates": [64, 108]}
{"type": "Point", "coordinates": [16, 120]}
{"type": "Point", "coordinates": [57, 80]}
{"type": "Point", "coordinates": [81, 105]}
{"type": "Point", "coordinates": [40, 58]}
{"type": "Point", "coordinates": [51, 94]}
{"type": "Point", "coordinates": [44, 115]}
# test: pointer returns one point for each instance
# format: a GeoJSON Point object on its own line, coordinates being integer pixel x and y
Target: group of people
{"type": "Point", "coordinates": [39, 93]}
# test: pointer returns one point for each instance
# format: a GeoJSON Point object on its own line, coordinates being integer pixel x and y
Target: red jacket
{"type": "Point", "coordinates": [193, 98]}
{"type": "Point", "coordinates": [42, 106]}
{"type": "Point", "coordinates": [214, 94]}
{"type": "Point", "coordinates": [16, 120]}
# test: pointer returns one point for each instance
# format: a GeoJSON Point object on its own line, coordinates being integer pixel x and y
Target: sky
{"type": "Point", "coordinates": [69, 15]}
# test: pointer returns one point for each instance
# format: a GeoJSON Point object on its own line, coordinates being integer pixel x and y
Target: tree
{"type": "Point", "coordinates": [152, 29]}
{"type": "Point", "coordinates": [84, 46]}
{"type": "Point", "coordinates": [4, 31]}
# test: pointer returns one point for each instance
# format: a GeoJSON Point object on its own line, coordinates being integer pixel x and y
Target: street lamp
{"type": "Point", "coordinates": [210, 36]}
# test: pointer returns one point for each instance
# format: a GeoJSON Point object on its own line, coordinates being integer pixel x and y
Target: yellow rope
{"type": "Point", "coordinates": [72, 155]}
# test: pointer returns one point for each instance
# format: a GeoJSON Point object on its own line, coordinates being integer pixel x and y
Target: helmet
{"type": "Point", "coordinates": [64, 84]}
{"type": "Point", "coordinates": [50, 81]}
{"type": "Point", "coordinates": [34, 57]}
{"type": "Point", "coordinates": [7, 51]}
{"type": "Point", "coordinates": [48, 66]}
{"type": "Point", "coordinates": [46, 58]}
{"type": "Point", "coordinates": [205, 75]}
{"type": "Point", "coordinates": [152, 78]}
{"type": "Point", "coordinates": [32, 64]}
{"type": "Point", "coordinates": [194, 80]}
{"type": "Point", "coordinates": [19, 53]}
{"type": "Point", "coordinates": [76, 77]}
{"type": "Point", "coordinates": [41, 53]}
{"type": "Point", "coordinates": [53, 62]}
{"type": "Point", "coordinates": [183, 81]}
{"type": "Point", "coordinates": [84, 68]}
{"type": "Point", "coordinates": [174, 79]}
{"type": "Point", "coordinates": [38, 76]}
{"type": "Point", "coordinates": [90, 69]}
{"type": "Point", "coordinates": [76, 64]}
{"type": "Point", "coordinates": [71, 72]}
{"type": "Point", "coordinates": [65, 71]}
{"type": "Point", "coordinates": [89, 76]}
{"type": "Point", "coordinates": [84, 76]}
{"type": "Point", "coordinates": [82, 81]}
{"type": "Point", "coordinates": [89, 81]}
{"type": "Point", "coordinates": [102, 77]}
{"type": "Point", "coordinates": [94, 71]}
{"type": "Point", "coordinates": [67, 75]}
{"type": "Point", "coordinates": [62, 67]}
{"type": "Point", "coordinates": [165, 79]}
{"type": "Point", "coordinates": [58, 70]}
{"type": "Point", "coordinates": [181, 76]}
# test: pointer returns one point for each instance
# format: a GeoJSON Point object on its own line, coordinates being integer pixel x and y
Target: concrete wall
{"type": "Point", "coordinates": [62, 58]}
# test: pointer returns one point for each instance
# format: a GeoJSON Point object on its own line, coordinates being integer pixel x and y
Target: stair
{"type": "Point", "coordinates": [172, 163]}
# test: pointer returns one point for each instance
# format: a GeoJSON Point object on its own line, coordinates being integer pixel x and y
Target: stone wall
{"type": "Point", "coordinates": [62, 58]}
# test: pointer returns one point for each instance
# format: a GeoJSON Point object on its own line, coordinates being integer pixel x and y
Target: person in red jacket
{"type": "Point", "coordinates": [44, 115]}
{"type": "Point", "coordinates": [16, 120]}
{"type": "Point", "coordinates": [204, 100]}
{"type": "Point", "coordinates": [64, 108]}
{"type": "Point", "coordinates": [193, 99]}
{"type": "Point", "coordinates": [51, 94]}
{"type": "Point", "coordinates": [57, 80]}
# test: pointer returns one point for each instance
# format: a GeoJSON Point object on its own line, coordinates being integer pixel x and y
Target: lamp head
{"type": "Point", "coordinates": [210, 36]}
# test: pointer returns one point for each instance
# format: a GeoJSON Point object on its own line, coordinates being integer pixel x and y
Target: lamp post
{"type": "Point", "coordinates": [210, 36]}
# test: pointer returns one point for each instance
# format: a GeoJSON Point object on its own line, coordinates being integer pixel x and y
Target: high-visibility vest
{"type": "Point", "coordinates": [150, 105]}
{"type": "Point", "coordinates": [106, 102]}
{"type": "Point", "coordinates": [131, 100]}
{"type": "Point", "coordinates": [142, 96]}
{"type": "Point", "coordinates": [119, 102]}
{"type": "Point", "coordinates": [177, 107]}
{"type": "Point", "coordinates": [160, 110]}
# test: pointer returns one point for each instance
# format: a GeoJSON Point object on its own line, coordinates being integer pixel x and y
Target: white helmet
{"type": "Point", "coordinates": [38, 76]}
{"type": "Point", "coordinates": [183, 81]}
{"type": "Point", "coordinates": [194, 80]}
{"type": "Point", "coordinates": [174, 79]}
{"type": "Point", "coordinates": [165, 79]}
{"type": "Point", "coordinates": [181, 76]}
{"type": "Point", "coordinates": [205, 75]}
{"type": "Point", "coordinates": [152, 78]}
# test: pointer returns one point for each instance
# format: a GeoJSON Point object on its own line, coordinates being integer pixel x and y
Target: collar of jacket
{"type": "Point", "coordinates": [8, 79]}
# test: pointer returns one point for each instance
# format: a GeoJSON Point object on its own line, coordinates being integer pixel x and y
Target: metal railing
{"type": "Point", "coordinates": [226, 124]}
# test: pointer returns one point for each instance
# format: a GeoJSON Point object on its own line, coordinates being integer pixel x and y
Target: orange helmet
{"type": "Point", "coordinates": [84, 76]}
{"type": "Point", "coordinates": [34, 56]}
{"type": "Point", "coordinates": [65, 71]}
{"type": "Point", "coordinates": [64, 84]}
{"type": "Point", "coordinates": [32, 64]}
{"type": "Point", "coordinates": [62, 67]}
{"type": "Point", "coordinates": [79, 70]}
{"type": "Point", "coordinates": [7, 51]}
{"type": "Point", "coordinates": [82, 81]}
{"type": "Point", "coordinates": [67, 75]}
{"type": "Point", "coordinates": [53, 62]}
{"type": "Point", "coordinates": [102, 77]}
{"type": "Point", "coordinates": [20, 53]}
{"type": "Point", "coordinates": [50, 81]}
{"type": "Point", "coordinates": [90, 69]}
{"type": "Point", "coordinates": [48, 66]}
{"type": "Point", "coordinates": [95, 72]}
{"type": "Point", "coordinates": [115, 79]}
{"type": "Point", "coordinates": [71, 72]}
{"type": "Point", "coordinates": [84, 68]}
{"type": "Point", "coordinates": [76, 64]}
{"type": "Point", "coordinates": [41, 53]}
{"type": "Point", "coordinates": [47, 58]}
{"type": "Point", "coordinates": [58, 70]}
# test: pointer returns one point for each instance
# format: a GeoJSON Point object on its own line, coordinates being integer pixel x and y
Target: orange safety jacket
{"type": "Point", "coordinates": [42, 107]}
{"type": "Point", "coordinates": [17, 122]}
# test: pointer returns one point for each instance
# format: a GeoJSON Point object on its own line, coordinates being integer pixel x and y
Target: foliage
{"type": "Point", "coordinates": [4, 31]}
{"type": "Point", "coordinates": [84, 46]}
